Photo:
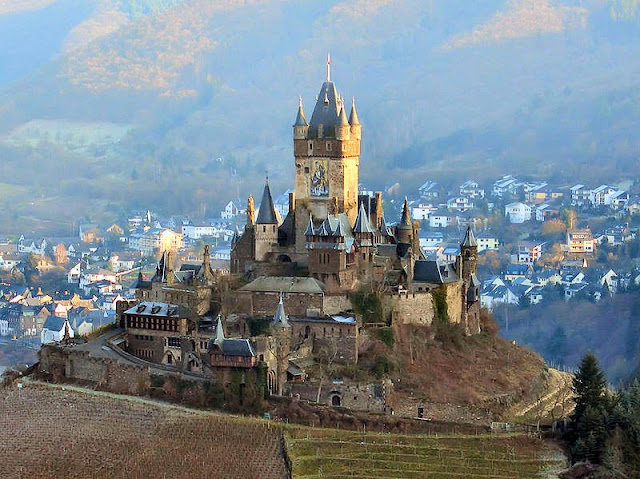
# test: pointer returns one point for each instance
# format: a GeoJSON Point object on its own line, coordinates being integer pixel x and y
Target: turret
{"type": "Point", "coordinates": [469, 255]}
{"type": "Point", "coordinates": [343, 129]}
{"type": "Point", "coordinates": [356, 127]}
{"type": "Point", "coordinates": [404, 229]}
{"type": "Point", "coordinates": [267, 214]}
{"type": "Point", "coordinates": [280, 319]}
{"type": "Point", "coordinates": [300, 127]}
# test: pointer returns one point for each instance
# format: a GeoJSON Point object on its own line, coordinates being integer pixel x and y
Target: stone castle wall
{"type": "Point", "coordinates": [411, 308]}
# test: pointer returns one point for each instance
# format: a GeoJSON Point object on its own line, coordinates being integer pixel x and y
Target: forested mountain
{"type": "Point", "coordinates": [198, 92]}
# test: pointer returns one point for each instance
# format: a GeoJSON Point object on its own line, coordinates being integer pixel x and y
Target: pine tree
{"type": "Point", "coordinates": [589, 386]}
{"type": "Point", "coordinates": [591, 413]}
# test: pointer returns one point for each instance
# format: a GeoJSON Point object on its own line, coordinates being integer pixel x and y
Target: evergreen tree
{"type": "Point", "coordinates": [591, 414]}
{"type": "Point", "coordinates": [589, 386]}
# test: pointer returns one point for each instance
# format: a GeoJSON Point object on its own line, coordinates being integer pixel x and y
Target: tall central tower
{"type": "Point", "coordinates": [327, 160]}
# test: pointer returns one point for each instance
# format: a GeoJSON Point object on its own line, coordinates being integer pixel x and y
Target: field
{"type": "Point", "coordinates": [54, 431]}
{"type": "Point", "coordinates": [317, 453]}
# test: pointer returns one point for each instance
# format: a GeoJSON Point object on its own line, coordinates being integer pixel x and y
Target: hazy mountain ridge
{"type": "Point", "coordinates": [191, 77]}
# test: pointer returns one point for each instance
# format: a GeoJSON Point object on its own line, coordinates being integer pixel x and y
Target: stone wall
{"type": "Point", "coordinates": [371, 397]}
{"type": "Point", "coordinates": [411, 308]}
{"type": "Point", "coordinates": [456, 298]}
{"type": "Point", "coordinates": [334, 304]}
{"type": "Point", "coordinates": [331, 338]}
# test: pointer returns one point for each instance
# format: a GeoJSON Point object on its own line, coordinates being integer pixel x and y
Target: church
{"type": "Point", "coordinates": [341, 238]}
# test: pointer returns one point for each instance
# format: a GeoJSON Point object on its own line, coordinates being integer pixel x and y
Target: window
{"type": "Point", "coordinates": [306, 169]}
{"type": "Point", "coordinates": [328, 145]}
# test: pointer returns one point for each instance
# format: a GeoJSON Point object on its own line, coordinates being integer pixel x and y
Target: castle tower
{"type": "Point", "coordinates": [469, 255]}
{"type": "Point", "coordinates": [266, 227]}
{"type": "Point", "coordinates": [404, 229]}
{"type": "Point", "coordinates": [281, 345]}
{"type": "Point", "coordinates": [327, 159]}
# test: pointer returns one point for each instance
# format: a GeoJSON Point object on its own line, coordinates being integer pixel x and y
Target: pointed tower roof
{"type": "Point", "coordinates": [363, 224]}
{"type": "Point", "coordinates": [342, 118]}
{"type": "Point", "coordinates": [353, 118]}
{"type": "Point", "coordinates": [301, 120]}
{"type": "Point", "coordinates": [338, 231]}
{"type": "Point", "coordinates": [310, 230]}
{"type": "Point", "coordinates": [267, 213]}
{"type": "Point", "coordinates": [326, 111]}
{"type": "Point", "coordinates": [280, 319]}
{"type": "Point", "coordinates": [384, 227]}
{"type": "Point", "coordinates": [469, 238]}
{"type": "Point", "coordinates": [405, 222]}
{"type": "Point", "coordinates": [325, 228]}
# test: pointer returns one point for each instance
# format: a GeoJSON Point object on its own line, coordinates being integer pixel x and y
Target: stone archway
{"type": "Point", "coordinates": [336, 400]}
{"type": "Point", "coordinates": [271, 382]}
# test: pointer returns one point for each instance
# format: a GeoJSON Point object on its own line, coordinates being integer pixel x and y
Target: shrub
{"type": "Point", "coordinates": [382, 366]}
{"type": "Point", "coordinates": [367, 304]}
{"type": "Point", "coordinates": [385, 334]}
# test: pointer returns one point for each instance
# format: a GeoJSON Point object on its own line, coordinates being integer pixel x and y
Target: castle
{"type": "Point", "coordinates": [341, 238]}
{"type": "Point", "coordinates": [291, 298]}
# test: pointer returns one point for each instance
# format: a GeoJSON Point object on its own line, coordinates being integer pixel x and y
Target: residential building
{"type": "Point", "coordinates": [441, 219]}
{"type": "Point", "coordinates": [429, 190]}
{"type": "Point", "coordinates": [422, 211]}
{"type": "Point", "coordinates": [581, 241]}
{"type": "Point", "coordinates": [231, 210]}
{"type": "Point", "coordinates": [517, 212]}
{"type": "Point", "coordinates": [487, 241]}
{"type": "Point", "coordinates": [580, 195]}
{"type": "Point", "coordinates": [154, 240]}
{"type": "Point", "coordinates": [54, 330]}
{"type": "Point", "coordinates": [506, 184]}
{"type": "Point", "coordinates": [460, 203]}
{"type": "Point", "coordinates": [195, 232]}
{"type": "Point", "coordinates": [471, 189]}
{"type": "Point", "coordinates": [529, 251]}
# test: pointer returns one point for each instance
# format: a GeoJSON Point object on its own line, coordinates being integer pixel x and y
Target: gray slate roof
{"type": "Point", "coordinates": [435, 272]}
{"type": "Point", "coordinates": [267, 213]}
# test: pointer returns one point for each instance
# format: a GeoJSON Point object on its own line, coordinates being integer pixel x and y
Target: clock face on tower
{"type": "Point", "coordinates": [320, 178]}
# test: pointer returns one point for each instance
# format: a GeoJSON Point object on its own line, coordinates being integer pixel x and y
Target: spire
{"type": "Point", "coordinates": [362, 221]}
{"type": "Point", "coordinates": [280, 319]}
{"type": "Point", "coordinates": [309, 231]}
{"type": "Point", "coordinates": [338, 231]}
{"type": "Point", "coordinates": [328, 67]}
{"type": "Point", "coordinates": [353, 118]}
{"type": "Point", "coordinates": [342, 118]}
{"type": "Point", "coordinates": [469, 238]}
{"type": "Point", "coordinates": [301, 120]}
{"type": "Point", "coordinates": [267, 213]}
{"type": "Point", "coordinates": [384, 228]}
{"type": "Point", "coordinates": [405, 222]}
{"type": "Point", "coordinates": [324, 231]}
{"type": "Point", "coordinates": [219, 341]}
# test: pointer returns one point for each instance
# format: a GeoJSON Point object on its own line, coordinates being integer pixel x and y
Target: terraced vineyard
{"type": "Point", "coordinates": [330, 454]}
{"type": "Point", "coordinates": [51, 433]}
